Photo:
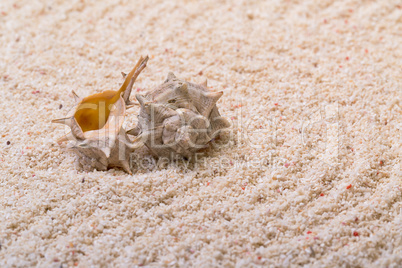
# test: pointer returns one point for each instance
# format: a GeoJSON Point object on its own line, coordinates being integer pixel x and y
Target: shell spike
{"type": "Point", "coordinates": [141, 99]}
{"type": "Point", "coordinates": [208, 102]}
{"type": "Point", "coordinates": [106, 151]}
{"type": "Point", "coordinates": [131, 77]}
{"type": "Point", "coordinates": [170, 76]}
{"type": "Point", "coordinates": [124, 165]}
{"type": "Point", "coordinates": [214, 95]}
{"type": "Point", "coordinates": [72, 123]}
{"type": "Point", "coordinates": [76, 97]}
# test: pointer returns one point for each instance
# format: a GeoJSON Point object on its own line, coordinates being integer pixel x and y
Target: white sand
{"type": "Point", "coordinates": [334, 71]}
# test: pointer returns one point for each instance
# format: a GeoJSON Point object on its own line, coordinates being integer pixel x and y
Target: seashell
{"type": "Point", "coordinates": [178, 118]}
{"type": "Point", "coordinates": [96, 126]}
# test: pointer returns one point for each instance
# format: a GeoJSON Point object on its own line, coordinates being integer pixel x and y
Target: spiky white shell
{"type": "Point", "coordinates": [178, 118]}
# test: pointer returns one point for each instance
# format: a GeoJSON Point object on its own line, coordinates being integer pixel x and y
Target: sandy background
{"type": "Point", "coordinates": [312, 173]}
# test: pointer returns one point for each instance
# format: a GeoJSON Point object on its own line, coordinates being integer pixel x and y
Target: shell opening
{"type": "Point", "coordinates": [93, 112]}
